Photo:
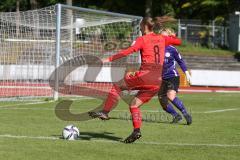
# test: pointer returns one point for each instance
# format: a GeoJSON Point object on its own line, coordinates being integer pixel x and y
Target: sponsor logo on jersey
{"type": "Point", "coordinates": [167, 54]}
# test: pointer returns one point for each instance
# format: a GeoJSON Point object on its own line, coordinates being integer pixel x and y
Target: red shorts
{"type": "Point", "coordinates": [147, 82]}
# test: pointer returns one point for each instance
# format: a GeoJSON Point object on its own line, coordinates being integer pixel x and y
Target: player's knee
{"type": "Point", "coordinates": [171, 95]}
{"type": "Point", "coordinates": [114, 92]}
{"type": "Point", "coordinates": [136, 103]}
{"type": "Point", "coordinates": [121, 84]}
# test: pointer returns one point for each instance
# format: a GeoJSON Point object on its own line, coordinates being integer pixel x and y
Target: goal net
{"type": "Point", "coordinates": [43, 46]}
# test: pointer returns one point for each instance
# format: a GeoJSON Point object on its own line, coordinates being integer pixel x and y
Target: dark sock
{"type": "Point", "coordinates": [179, 104]}
{"type": "Point", "coordinates": [169, 109]}
{"type": "Point", "coordinates": [136, 129]}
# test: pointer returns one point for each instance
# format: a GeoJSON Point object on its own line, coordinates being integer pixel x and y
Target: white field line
{"type": "Point", "coordinates": [12, 107]}
{"type": "Point", "coordinates": [212, 111]}
{"type": "Point", "coordinates": [115, 110]}
{"type": "Point", "coordinates": [208, 91]}
{"type": "Point", "coordinates": [180, 90]}
{"type": "Point", "coordinates": [28, 137]}
{"type": "Point", "coordinates": [195, 91]}
{"type": "Point", "coordinates": [30, 109]}
{"type": "Point", "coordinates": [222, 110]}
{"type": "Point", "coordinates": [24, 104]}
{"type": "Point", "coordinates": [192, 144]}
{"type": "Point", "coordinates": [223, 91]}
{"type": "Point", "coordinates": [108, 141]}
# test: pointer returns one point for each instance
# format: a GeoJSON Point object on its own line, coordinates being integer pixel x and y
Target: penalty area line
{"type": "Point", "coordinates": [203, 112]}
{"type": "Point", "coordinates": [222, 110]}
{"type": "Point", "coordinates": [116, 142]}
{"type": "Point", "coordinates": [22, 104]}
{"type": "Point", "coordinates": [28, 137]}
{"type": "Point", "coordinates": [14, 107]}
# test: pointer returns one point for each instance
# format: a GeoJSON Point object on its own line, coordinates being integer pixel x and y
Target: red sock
{"type": "Point", "coordinates": [112, 98]}
{"type": "Point", "coordinates": [136, 117]}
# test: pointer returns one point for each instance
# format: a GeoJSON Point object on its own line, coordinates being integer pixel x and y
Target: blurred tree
{"type": "Point", "coordinates": [7, 5]}
{"type": "Point", "coordinates": [69, 2]}
{"type": "Point", "coordinates": [191, 9]}
{"type": "Point", "coordinates": [17, 5]}
{"type": "Point", "coordinates": [134, 7]}
{"type": "Point", "coordinates": [33, 4]}
{"type": "Point", "coordinates": [163, 7]}
{"type": "Point", "coordinates": [205, 9]}
{"type": "Point", "coordinates": [148, 8]}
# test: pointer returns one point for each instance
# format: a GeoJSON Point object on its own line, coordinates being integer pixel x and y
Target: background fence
{"type": "Point", "coordinates": [209, 35]}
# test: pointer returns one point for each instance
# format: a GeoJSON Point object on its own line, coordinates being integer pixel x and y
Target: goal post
{"type": "Point", "coordinates": [35, 43]}
{"type": "Point", "coordinates": [58, 45]}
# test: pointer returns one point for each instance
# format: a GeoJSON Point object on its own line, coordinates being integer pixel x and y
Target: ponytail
{"type": "Point", "coordinates": [156, 23]}
{"type": "Point", "coordinates": [159, 22]}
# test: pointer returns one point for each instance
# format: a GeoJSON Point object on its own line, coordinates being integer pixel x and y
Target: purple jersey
{"type": "Point", "coordinates": [169, 67]}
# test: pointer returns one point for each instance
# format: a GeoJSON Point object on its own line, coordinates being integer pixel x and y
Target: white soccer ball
{"type": "Point", "coordinates": [70, 132]}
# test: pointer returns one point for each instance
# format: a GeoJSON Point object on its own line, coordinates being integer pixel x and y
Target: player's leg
{"type": "Point", "coordinates": [169, 109]}
{"type": "Point", "coordinates": [136, 120]}
{"type": "Point", "coordinates": [111, 101]}
{"type": "Point", "coordinates": [130, 81]}
{"type": "Point", "coordinates": [163, 100]}
{"type": "Point", "coordinates": [172, 96]}
{"type": "Point", "coordinates": [142, 97]}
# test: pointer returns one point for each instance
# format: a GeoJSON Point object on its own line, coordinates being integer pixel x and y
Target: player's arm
{"type": "Point", "coordinates": [136, 46]}
{"type": "Point", "coordinates": [177, 56]}
{"type": "Point", "coordinates": [172, 40]}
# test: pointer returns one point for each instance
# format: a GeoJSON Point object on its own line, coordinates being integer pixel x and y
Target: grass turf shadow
{"type": "Point", "coordinates": [168, 122]}
{"type": "Point", "coordinates": [93, 135]}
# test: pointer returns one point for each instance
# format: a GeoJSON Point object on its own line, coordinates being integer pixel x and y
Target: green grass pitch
{"type": "Point", "coordinates": [32, 131]}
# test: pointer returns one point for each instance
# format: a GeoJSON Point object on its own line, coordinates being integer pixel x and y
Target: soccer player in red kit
{"type": "Point", "coordinates": [147, 79]}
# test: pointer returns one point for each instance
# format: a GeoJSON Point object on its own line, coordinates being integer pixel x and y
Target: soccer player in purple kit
{"type": "Point", "coordinates": [170, 84]}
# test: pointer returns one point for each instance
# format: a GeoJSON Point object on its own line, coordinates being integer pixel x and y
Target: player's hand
{"type": "Point", "coordinates": [105, 60]}
{"type": "Point", "coordinates": [188, 76]}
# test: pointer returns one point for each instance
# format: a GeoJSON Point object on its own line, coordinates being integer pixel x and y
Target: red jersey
{"type": "Point", "coordinates": [152, 48]}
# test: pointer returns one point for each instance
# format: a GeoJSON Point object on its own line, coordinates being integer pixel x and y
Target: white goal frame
{"type": "Point", "coordinates": [58, 33]}
{"type": "Point", "coordinates": [34, 44]}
